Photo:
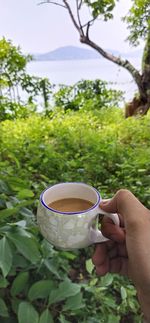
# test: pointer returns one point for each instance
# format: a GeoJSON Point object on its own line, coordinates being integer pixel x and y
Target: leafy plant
{"type": "Point", "coordinates": [98, 147]}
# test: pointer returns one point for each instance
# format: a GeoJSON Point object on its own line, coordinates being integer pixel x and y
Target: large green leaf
{"type": "Point", "coordinates": [40, 289]}
{"type": "Point", "coordinates": [5, 256]}
{"type": "Point", "coordinates": [46, 317]}
{"type": "Point", "coordinates": [74, 302]}
{"type": "Point", "coordinates": [3, 309]}
{"type": "Point", "coordinates": [66, 289]}
{"type": "Point", "coordinates": [19, 283]}
{"type": "Point", "coordinates": [26, 246]}
{"type": "Point", "coordinates": [27, 313]}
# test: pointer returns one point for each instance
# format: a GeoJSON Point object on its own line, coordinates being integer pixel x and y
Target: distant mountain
{"type": "Point", "coordinates": [76, 53]}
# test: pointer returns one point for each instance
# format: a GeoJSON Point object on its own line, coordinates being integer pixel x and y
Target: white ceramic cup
{"type": "Point", "coordinates": [71, 230]}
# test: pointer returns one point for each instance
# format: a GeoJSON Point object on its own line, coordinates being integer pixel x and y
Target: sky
{"type": "Point", "coordinates": [42, 28]}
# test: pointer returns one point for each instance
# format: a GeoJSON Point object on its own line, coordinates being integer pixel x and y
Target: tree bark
{"type": "Point", "coordinates": [142, 104]}
{"type": "Point", "coordinates": [146, 68]}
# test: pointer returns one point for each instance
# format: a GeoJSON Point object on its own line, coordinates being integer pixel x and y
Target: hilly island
{"type": "Point", "coordinates": [76, 53]}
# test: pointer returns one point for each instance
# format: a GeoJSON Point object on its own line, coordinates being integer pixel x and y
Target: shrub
{"type": "Point", "coordinates": [99, 148]}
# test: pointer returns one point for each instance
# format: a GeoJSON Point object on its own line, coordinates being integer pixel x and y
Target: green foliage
{"type": "Point", "coordinates": [12, 61]}
{"type": "Point", "coordinates": [87, 95]}
{"type": "Point", "coordinates": [6, 256]}
{"type": "Point", "coordinates": [138, 20]}
{"type": "Point", "coordinates": [12, 110]}
{"type": "Point", "coordinates": [27, 313]}
{"type": "Point", "coordinates": [14, 79]}
{"type": "Point", "coordinates": [98, 147]}
{"type": "Point", "coordinates": [101, 8]}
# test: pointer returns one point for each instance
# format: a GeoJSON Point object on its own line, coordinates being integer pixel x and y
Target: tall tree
{"type": "Point", "coordinates": [138, 21]}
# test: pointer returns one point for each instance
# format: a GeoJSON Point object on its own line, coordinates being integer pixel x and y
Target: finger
{"type": "Point", "coordinates": [112, 231]}
{"type": "Point", "coordinates": [126, 204]}
{"type": "Point", "coordinates": [118, 250]}
{"type": "Point", "coordinates": [119, 266]}
{"type": "Point", "coordinates": [103, 269]}
{"type": "Point", "coordinates": [100, 254]}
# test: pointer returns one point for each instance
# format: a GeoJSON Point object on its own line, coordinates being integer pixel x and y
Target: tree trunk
{"type": "Point", "coordinates": [142, 103]}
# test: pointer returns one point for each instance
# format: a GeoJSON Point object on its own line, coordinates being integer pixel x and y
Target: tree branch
{"type": "Point", "coordinates": [52, 2]}
{"type": "Point", "coordinates": [88, 25]}
{"type": "Point", "coordinates": [80, 4]}
{"type": "Point", "coordinates": [78, 15]}
{"type": "Point", "coordinates": [117, 60]}
{"type": "Point", "coordinates": [90, 22]}
{"type": "Point", "coordinates": [72, 17]}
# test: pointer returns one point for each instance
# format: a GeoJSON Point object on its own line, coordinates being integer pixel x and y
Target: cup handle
{"type": "Point", "coordinates": [96, 235]}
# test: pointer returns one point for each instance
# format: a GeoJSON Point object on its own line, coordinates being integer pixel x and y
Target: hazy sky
{"type": "Point", "coordinates": [42, 28]}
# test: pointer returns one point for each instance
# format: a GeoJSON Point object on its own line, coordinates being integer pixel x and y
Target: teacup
{"type": "Point", "coordinates": [73, 229]}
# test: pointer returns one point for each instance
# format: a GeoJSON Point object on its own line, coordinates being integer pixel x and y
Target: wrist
{"type": "Point", "coordinates": [144, 300]}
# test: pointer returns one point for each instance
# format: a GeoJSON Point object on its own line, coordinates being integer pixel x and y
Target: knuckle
{"type": "Point", "coordinates": [122, 193]}
{"type": "Point", "coordinates": [122, 196]}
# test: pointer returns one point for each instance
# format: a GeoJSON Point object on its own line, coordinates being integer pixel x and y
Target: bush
{"type": "Point", "coordinates": [99, 148]}
{"type": "Point", "coordinates": [87, 95]}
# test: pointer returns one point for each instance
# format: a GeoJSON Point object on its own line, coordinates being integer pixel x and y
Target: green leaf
{"type": "Point", "coordinates": [107, 280]}
{"type": "Point", "coordinates": [3, 309]}
{"type": "Point", "coordinates": [93, 281]}
{"type": "Point", "coordinates": [25, 193]}
{"type": "Point", "coordinates": [20, 261]}
{"type": "Point", "coordinates": [19, 283]}
{"type": "Point", "coordinates": [26, 212]}
{"type": "Point", "coordinates": [46, 317]}
{"type": "Point", "coordinates": [2, 203]}
{"type": "Point", "coordinates": [26, 246]}
{"type": "Point", "coordinates": [3, 282]}
{"type": "Point", "coordinates": [5, 256]}
{"type": "Point", "coordinates": [89, 266]}
{"type": "Point", "coordinates": [113, 318]}
{"type": "Point", "coordinates": [15, 304]}
{"type": "Point", "coordinates": [52, 267]}
{"type": "Point", "coordinates": [3, 187]}
{"type": "Point", "coordinates": [68, 255]}
{"type": "Point", "coordinates": [62, 319]}
{"type": "Point", "coordinates": [110, 302]}
{"type": "Point", "coordinates": [14, 210]}
{"type": "Point", "coordinates": [65, 290]}
{"type": "Point", "coordinates": [8, 212]}
{"type": "Point", "coordinates": [27, 313]}
{"type": "Point", "coordinates": [40, 289]}
{"type": "Point", "coordinates": [123, 293]}
{"type": "Point", "coordinates": [21, 223]}
{"type": "Point", "coordinates": [74, 302]}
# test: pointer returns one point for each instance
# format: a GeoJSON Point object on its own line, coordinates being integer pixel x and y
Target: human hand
{"type": "Point", "coordinates": [128, 250]}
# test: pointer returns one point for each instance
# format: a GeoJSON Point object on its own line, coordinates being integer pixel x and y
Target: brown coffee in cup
{"type": "Point", "coordinates": [71, 205]}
